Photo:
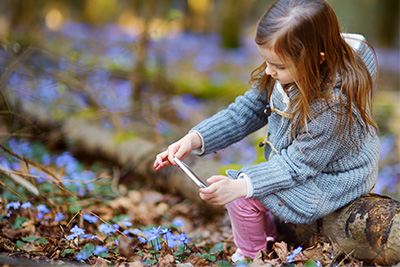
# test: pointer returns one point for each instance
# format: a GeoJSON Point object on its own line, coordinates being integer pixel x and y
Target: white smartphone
{"type": "Point", "coordinates": [190, 172]}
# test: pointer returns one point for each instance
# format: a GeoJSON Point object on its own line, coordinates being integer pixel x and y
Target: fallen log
{"type": "Point", "coordinates": [368, 228]}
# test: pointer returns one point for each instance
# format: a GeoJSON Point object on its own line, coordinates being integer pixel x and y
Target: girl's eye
{"type": "Point", "coordinates": [280, 68]}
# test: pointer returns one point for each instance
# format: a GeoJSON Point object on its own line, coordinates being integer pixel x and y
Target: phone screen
{"type": "Point", "coordinates": [190, 172]}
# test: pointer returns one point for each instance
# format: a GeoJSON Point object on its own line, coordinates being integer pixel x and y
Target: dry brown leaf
{"type": "Point", "coordinates": [320, 253]}
{"type": "Point", "coordinates": [137, 263]}
{"type": "Point", "coordinates": [13, 234]}
{"type": "Point", "coordinates": [260, 258]}
{"type": "Point", "coordinates": [162, 208]}
{"type": "Point", "coordinates": [166, 260]}
{"type": "Point", "coordinates": [198, 261]}
{"type": "Point", "coordinates": [29, 247]}
{"type": "Point", "coordinates": [151, 198]}
{"type": "Point", "coordinates": [127, 246]}
{"type": "Point", "coordinates": [281, 250]}
{"type": "Point", "coordinates": [98, 262]}
{"type": "Point", "coordinates": [121, 202]}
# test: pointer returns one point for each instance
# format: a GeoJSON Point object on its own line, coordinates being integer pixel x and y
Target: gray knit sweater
{"type": "Point", "coordinates": [309, 177]}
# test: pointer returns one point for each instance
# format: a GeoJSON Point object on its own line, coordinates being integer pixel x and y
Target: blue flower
{"type": "Point", "coordinates": [70, 237]}
{"type": "Point", "coordinates": [152, 236]}
{"type": "Point", "coordinates": [171, 240]}
{"type": "Point", "coordinates": [14, 205]}
{"type": "Point", "coordinates": [178, 223]}
{"type": "Point", "coordinates": [26, 205]}
{"type": "Point", "coordinates": [291, 257]}
{"type": "Point", "coordinates": [157, 230]}
{"type": "Point", "coordinates": [116, 242]}
{"type": "Point", "coordinates": [81, 255]}
{"type": "Point", "coordinates": [164, 231]}
{"type": "Point", "coordinates": [126, 222]}
{"type": "Point", "coordinates": [136, 231]}
{"type": "Point", "coordinates": [42, 208]}
{"type": "Point", "coordinates": [142, 239]}
{"type": "Point", "coordinates": [99, 249]}
{"type": "Point", "coordinates": [89, 218]}
{"type": "Point", "coordinates": [157, 246]}
{"type": "Point", "coordinates": [107, 229]}
{"type": "Point", "coordinates": [59, 217]}
{"type": "Point", "coordinates": [39, 215]}
{"type": "Point", "coordinates": [183, 238]}
{"type": "Point", "coordinates": [77, 231]}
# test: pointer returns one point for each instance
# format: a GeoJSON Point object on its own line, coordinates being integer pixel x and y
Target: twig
{"type": "Point", "coordinates": [347, 256]}
{"type": "Point", "coordinates": [94, 214]}
{"type": "Point", "coordinates": [8, 188]}
{"type": "Point", "coordinates": [20, 180]}
{"type": "Point", "coordinates": [58, 184]}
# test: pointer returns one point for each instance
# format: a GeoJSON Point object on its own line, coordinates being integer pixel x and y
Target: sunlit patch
{"type": "Point", "coordinates": [54, 19]}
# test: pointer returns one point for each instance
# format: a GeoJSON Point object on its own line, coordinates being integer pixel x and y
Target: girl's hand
{"type": "Point", "coordinates": [223, 190]}
{"type": "Point", "coordinates": [180, 149]}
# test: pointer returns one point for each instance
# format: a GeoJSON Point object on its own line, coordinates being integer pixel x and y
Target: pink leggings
{"type": "Point", "coordinates": [251, 224]}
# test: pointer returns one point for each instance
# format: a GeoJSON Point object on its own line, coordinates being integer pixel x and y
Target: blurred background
{"type": "Point", "coordinates": [152, 69]}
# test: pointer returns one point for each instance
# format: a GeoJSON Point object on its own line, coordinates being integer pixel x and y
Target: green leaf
{"type": "Point", "coordinates": [150, 262]}
{"type": "Point", "coordinates": [217, 248]}
{"type": "Point", "coordinates": [20, 244]}
{"type": "Point", "coordinates": [74, 208]}
{"type": "Point", "coordinates": [89, 248]}
{"type": "Point", "coordinates": [310, 263]}
{"type": "Point", "coordinates": [67, 251]}
{"type": "Point", "coordinates": [30, 238]}
{"type": "Point", "coordinates": [223, 264]}
{"type": "Point", "coordinates": [207, 256]}
{"type": "Point", "coordinates": [18, 222]}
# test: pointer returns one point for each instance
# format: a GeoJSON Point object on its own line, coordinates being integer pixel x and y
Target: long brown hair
{"type": "Point", "coordinates": [298, 31]}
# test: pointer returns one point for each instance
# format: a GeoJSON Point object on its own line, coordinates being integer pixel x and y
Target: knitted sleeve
{"type": "Point", "coordinates": [303, 159]}
{"type": "Point", "coordinates": [231, 125]}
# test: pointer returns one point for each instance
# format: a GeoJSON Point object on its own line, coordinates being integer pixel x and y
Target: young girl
{"type": "Point", "coordinates": [321, 148]}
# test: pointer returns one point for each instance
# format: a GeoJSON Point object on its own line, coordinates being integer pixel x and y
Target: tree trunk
{"type": "Point", "coordinates": [368, 227]}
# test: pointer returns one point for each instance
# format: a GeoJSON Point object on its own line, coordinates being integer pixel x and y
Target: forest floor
{"type": "Point", "coordinates": [132, 230]}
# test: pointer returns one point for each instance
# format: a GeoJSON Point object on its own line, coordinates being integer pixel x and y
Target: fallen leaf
{"type": "Point", "coordinates": [166, 260]}
{"type": "Point", "coordinates": [127, 246]}
{"type": "Point", "coordinates": [137, 263]}
{"type": "Point", "coordinates": [29, 247]}
{"type": "Point", "coordinates": [281, 250]}
{"type": "Point", "coordinates": [98, 262]}
{"type": "Point", "coordinates": [198, 261]}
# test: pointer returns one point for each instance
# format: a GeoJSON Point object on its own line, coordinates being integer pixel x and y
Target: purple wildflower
{"type": "Point", "coordinates": [99, 249]}
{"type": "Point", "coordinates": [59, 217]}
{"type": "Point", "coordinates": [89, 218]}
{"type": "Point", "coordinates": [14, 205]}
{"type": "Point", "coordinates": [43, 209]}
{"type": "Point", "coordinates": [291, 257]}
{"type": "Point", "coordinates": [26, 205]}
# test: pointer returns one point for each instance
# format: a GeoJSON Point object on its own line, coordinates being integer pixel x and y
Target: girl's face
{"type": "Point", "coordinates": [277, 68]}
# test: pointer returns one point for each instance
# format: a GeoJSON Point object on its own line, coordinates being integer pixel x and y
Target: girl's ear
{"type": "Point", "coordinates": [322, 57]}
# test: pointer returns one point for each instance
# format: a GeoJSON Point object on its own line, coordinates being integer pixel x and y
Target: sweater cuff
{"type": "Point", "coordinates": [249, 184]}
{"type": "Point", "coordinates": [198, 151]}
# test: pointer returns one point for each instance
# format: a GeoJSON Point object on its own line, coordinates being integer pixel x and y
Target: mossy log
{"type": "Point", "coordinates": [368, 228]}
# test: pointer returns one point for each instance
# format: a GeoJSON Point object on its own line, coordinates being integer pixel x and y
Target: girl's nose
{"type": "Point", "coordinates": [270, 70]}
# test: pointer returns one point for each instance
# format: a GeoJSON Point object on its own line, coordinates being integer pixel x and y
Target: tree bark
{"type": "Point", "coordinates": [368, 228]}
